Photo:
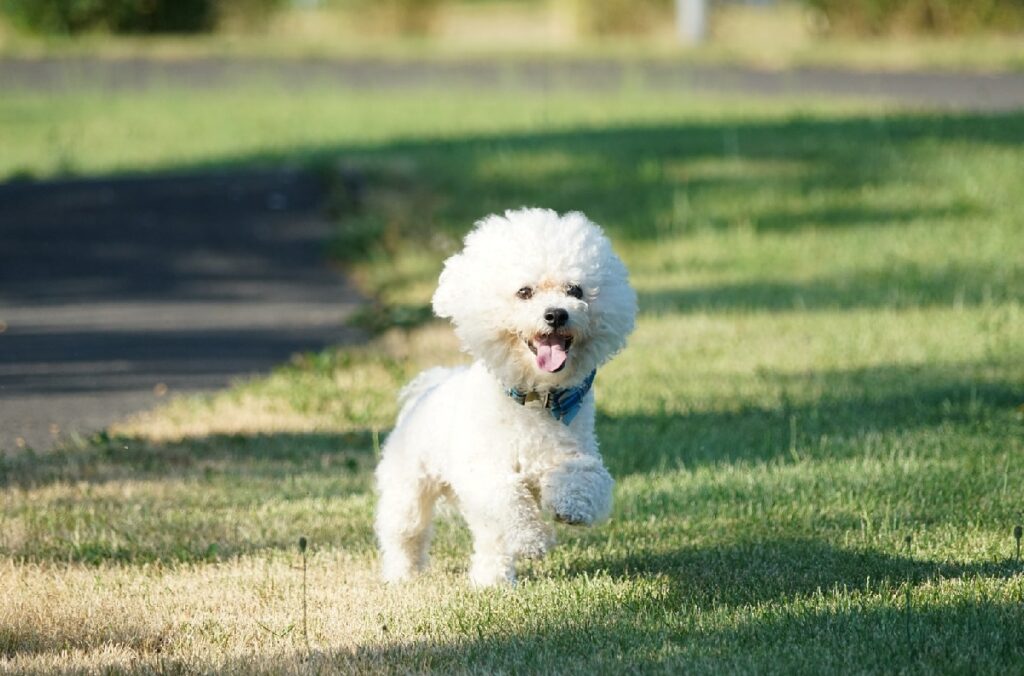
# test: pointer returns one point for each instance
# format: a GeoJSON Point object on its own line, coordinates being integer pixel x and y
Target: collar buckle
{"type": "Point", "coordinates": [562, 404]}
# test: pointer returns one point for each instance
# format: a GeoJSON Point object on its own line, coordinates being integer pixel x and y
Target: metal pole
{"type": "Point", "coordinates": [692, 21]}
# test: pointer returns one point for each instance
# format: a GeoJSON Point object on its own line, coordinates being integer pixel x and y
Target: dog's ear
{"type": "Point", "coordinates": [446, 299]}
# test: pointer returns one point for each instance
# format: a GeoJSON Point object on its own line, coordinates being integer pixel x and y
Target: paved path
{"type": "Point", "coordinates": [955, 91]}
{"type": "Point", "coordinates": [115, 292]}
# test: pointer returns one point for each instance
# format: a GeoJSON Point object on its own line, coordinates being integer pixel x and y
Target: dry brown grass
{"type": "Point", "coordinates": [240, 616]}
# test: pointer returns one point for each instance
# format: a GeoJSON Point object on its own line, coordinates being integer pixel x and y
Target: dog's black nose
{"type": "Point", "coordinates": [555, 317]}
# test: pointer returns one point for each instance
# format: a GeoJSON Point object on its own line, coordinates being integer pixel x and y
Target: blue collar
{"type": "Point", "coordinates": [563, 404]}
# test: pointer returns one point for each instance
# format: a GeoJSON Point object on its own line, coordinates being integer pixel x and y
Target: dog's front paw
{"type": "Point", "coordinates": [575, 512]}
{"type": "Point", "coordinates": [573, 519]}
{"type": "Point", "coordinates": [579, 498]}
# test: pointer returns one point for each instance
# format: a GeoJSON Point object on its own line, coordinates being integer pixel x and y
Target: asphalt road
{"type": "Point", "coordinates": [116, 293]}
{"type": "Point", "coordinates": [952, 91]}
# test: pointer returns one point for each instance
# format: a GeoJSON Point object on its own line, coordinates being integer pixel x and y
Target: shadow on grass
{"type": "Point", "coordinates": [834, 217]}
{"type": "Point", "coordinates": [643, 182]}
{"type": "Point", "coordinates": [906, 286]}
{"type": "Point", "coordinates": [758, 572]}
{"type": "Point", "coordinates": [24, 639]}
{"type": "Point", "coordinates": [818, 415]}
{"type": "Point", "coordinates": [140, 238]}
{"type": "Point", "coordinates": [203, 499]}
{"type": "Point", "coordinates": [657, 182]}
{"type": "Point", "coordinates": [964, 636]}
{"type": "Point", "coordinates": [103, 458]}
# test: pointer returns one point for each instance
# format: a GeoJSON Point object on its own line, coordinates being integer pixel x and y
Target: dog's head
{"type": "Point", "coordinates": [542, 299]}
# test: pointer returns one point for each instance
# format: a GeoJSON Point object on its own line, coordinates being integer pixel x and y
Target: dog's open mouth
{"type": "Point", "coordinates": [552, 350]}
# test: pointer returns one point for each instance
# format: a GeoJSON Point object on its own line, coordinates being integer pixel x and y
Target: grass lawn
{"type": "Point", "coordinates": [816, 430]}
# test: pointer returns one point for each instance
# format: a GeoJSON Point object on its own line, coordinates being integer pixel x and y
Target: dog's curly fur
{"type": "Point", "coordinates": [460, 435]}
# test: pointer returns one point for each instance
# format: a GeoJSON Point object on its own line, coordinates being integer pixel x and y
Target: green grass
{"type": "Point", "coordinates": [85, 132]}
{"type": "Point", "coordinates": [827, 361]}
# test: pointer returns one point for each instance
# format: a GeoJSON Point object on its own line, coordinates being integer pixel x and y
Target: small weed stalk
{"type": "Point", "coordinates": [1018, 531]}
{"type": "Point", "coordinates": [794, 453]}
{"type": "Point", "coordinates": [305, 633]}
{"type": "Point", "coordinates": [909, 542]}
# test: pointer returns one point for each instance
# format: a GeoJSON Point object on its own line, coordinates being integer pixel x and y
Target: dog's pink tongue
{"type": "Point", "coordinates": [551, 353]}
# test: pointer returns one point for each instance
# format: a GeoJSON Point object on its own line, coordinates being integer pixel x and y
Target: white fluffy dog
{"type": "Point", "coordinates": [540, 301]}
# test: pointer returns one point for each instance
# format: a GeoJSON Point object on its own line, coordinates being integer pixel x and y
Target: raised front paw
{"type": "Point", "coordinates": [571, 519]}
{"type": "Point", "coordinates": [578, 497]}
{"type": "Point", "coordinates": [575, 511]}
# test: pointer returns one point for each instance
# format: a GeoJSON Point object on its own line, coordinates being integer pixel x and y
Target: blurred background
{"type": "Point", "coordinates": [883, 33]}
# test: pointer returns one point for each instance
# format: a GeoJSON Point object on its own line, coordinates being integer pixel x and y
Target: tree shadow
{"type": "Point", "coordinates": [95, 359]}
{"type": "Point", "coordinates": [839, 217]}
{"type": "Point", "coordinates": [206, 235]}
{"type": "Point", "coordinates": [904, 286]}
{"type": "Point", "coordinates": [649, 183]}
{"type": "Point", "coordinates": [631, 178]}
{"type": "Point", "coordinates": [963, 636]}
{"type": "Point", "coordinates": [105, 458]}
{"type": "Point", "coordinates": [778, 570]}
{"type": "Point", "coordinates": [816, 415]}
{"type": "Point", "coordinates": [195, 500]}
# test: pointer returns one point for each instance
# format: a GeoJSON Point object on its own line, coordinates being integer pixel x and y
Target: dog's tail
{"type": "Point", "coordinates": [419, 387]}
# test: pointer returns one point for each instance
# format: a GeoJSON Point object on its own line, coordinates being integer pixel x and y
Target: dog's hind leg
{"type": "Point", "coordinates": [404, 515]}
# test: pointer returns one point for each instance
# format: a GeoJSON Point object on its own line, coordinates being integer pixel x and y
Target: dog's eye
{"type": "Point", "coordinates": [574, 290]}
{"type": "Point", "coordinates": [526, 293]}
